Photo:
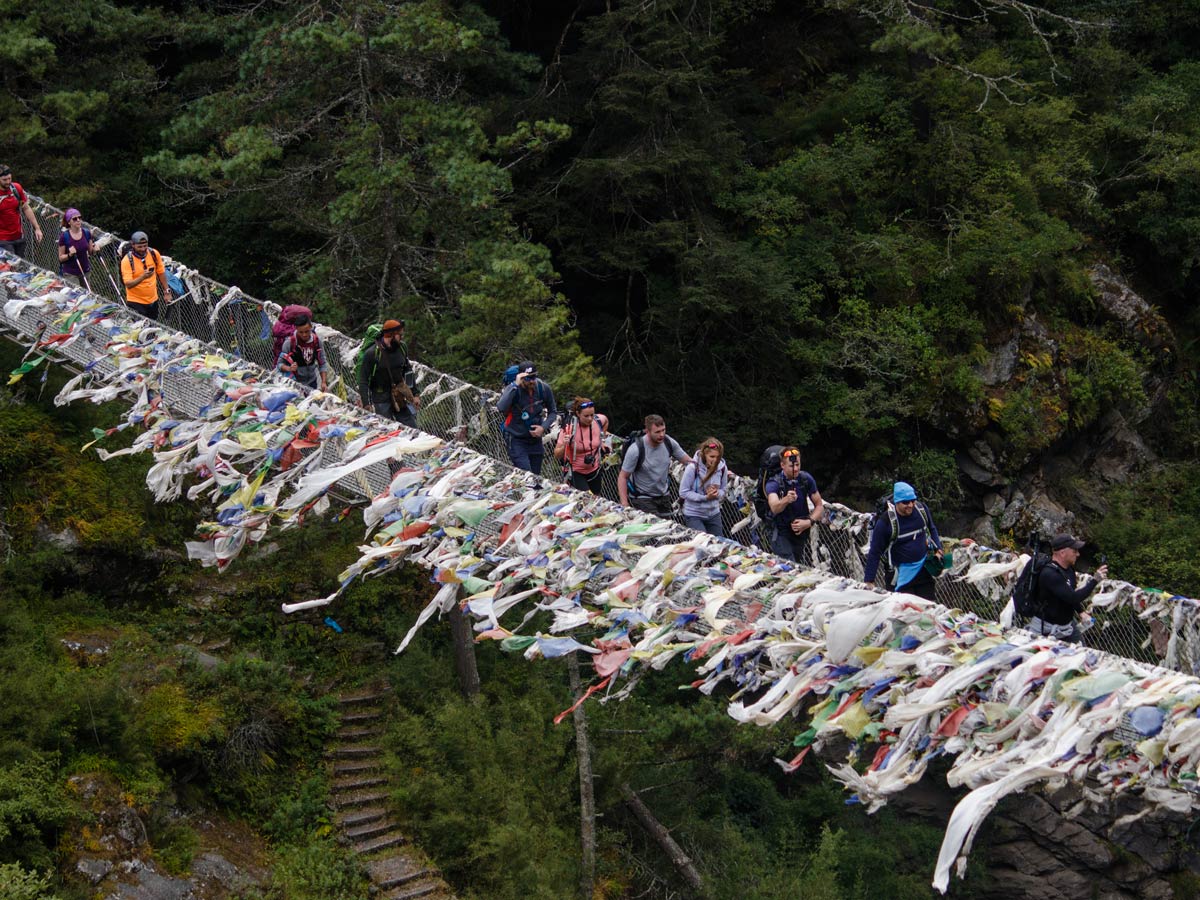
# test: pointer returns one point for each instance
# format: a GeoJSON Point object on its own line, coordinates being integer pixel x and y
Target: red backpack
{"type": "Point", "coordinates": [284, 328]}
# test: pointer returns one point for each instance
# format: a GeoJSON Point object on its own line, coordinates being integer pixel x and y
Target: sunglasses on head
{"type": "Point", "coordinates": [791, 454]}
{"type": "Point", "coordinates": [589, 404]}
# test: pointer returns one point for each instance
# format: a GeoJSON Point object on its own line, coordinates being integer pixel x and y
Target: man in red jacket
{"type": "Point", "coordinates": [13, 203]}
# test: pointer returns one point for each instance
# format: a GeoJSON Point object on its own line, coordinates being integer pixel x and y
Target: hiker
{"type": "Point", "coordinates": [303, 357]}
{"type": "Point", "coordinates": [702, 488]}
{"type": "Point", "coordinates": [527, 405]}
{"type": "Point", "coordinates": [1057, 598]}
{"type": "Point", "coordinates": [142, 272]}
{"type": "Point", "coordinates": [906, 533]}
{"type": "Point", "coordinates": [14, 203]}
{"type": "Point", "coordinates": [789, 493]}
{"type": "Point", "coordinates": [75, 249]}
{"type": "Point", "coordinates": [643, 482]}
{"type": "Point", "coordinates": [385, 376]}
{"type": "Point", "coordinates": [582, 443]}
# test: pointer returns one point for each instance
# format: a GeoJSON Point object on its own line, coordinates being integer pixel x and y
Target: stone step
{"type": "Point", "coordinates": [393, 871]}
{"type": "Point", "coordinates": [358, 734]}
{"type": "Point", "coordinates": [357, 782]}
{"type": "Point", "coordinates": [357, 767]}
{"type": "Point", "coordinates": [365, 715]}
{"type": "Point", "coordinates": [354, 751]}
{"type": "Point", "coordinates": [373, 845]}
{"type": "Point", "coordinates": [371, 829]}
{"type": "Point", "coordinates": [412, 892]}
{"type": "Point", "coordinates": [360, 816]}
{"type": "Point", "coordinates": [367, 696]}
{"type": "Point", "coordinates": [353, 799]}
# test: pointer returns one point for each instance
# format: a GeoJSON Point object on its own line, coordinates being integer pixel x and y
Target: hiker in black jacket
{"type": "Point", "coordinates": [383, 387]}
{"type": "Point", "coordinates": [1058, 598]}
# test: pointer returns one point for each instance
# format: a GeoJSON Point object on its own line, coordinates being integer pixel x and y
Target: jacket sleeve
{"type": "Point", "coordinates": [1053, 584]}
{"type": "Point", "coordinates": [284, 349]}
{"type": "Point", "coordinates": [507, 397]}
{"type": "Point", "coordinates": [880, 537]}
{"type": "Point", "coordinates": [364, 379]}
{"type": "Point", "coordinates": [687, 486]}
{"type": "Point", "coordinates": [321, 364]}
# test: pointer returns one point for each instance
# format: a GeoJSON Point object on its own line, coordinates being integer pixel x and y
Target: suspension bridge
{"type": "Point", "coordinates": [546, 570]}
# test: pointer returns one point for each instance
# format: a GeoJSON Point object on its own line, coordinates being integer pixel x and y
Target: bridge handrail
{"type": "Point", "coordinates": [1131, 621]}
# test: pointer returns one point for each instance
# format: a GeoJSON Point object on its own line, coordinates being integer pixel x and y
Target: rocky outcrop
{"type": "Point", "coordinates": [115, 858]}
{"type": "Point", "coordinates": [1046, 493]}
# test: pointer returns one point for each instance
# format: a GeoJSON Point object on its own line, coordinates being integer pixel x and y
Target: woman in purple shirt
{"type": "Point", "coordinates": [75, 248]}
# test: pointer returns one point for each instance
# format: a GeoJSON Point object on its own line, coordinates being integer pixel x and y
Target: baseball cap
{"type": "Point", "coordinates": [1062, 541]}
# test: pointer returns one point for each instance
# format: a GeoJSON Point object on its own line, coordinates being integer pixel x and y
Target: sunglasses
{"type": "Point", "coordinates": [76, 218]}
{"type": "Point", "coordinates": [791, 454]}
{"type": "Point", "coordinates": [590, 404]}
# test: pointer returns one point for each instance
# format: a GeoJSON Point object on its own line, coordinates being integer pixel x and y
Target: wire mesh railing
{"type": "Point", "coordinates": [1142, 624]}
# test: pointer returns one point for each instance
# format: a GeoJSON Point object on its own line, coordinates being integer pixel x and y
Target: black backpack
{"type": "Point", "coordinates": [768, 468]}
{"type": "Point", "coordinates": [1025, 596]}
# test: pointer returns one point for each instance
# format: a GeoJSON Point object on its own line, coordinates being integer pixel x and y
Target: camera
{"type": "Point", "coordinates": [589, 458]}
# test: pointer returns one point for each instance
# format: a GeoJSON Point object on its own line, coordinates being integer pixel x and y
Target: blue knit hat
{"type": "Point", "coordinates": [902, 491]}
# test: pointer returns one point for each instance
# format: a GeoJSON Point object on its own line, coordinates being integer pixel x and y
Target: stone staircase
{"type": "Point", "coordinates": [398, 870]}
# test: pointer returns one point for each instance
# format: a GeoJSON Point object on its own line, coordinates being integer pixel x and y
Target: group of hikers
{"type": "Point", "coordinates": [142, 272]}
{"type": "Point", "coordinates": [903, 531]}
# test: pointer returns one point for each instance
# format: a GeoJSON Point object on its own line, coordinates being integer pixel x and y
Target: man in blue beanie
{"type": "Point", "coordinates": [907, 535]}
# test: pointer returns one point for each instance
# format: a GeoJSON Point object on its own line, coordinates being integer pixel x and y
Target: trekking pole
{"type": "Point", "coordinates": [119, 293]}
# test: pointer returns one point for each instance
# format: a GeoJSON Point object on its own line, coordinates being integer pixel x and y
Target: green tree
{"type": "Point", "coordinates": [362, 135]}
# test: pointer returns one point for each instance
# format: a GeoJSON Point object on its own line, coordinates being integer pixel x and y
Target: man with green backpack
{"type": "Point", "coordinates": [385, 375]}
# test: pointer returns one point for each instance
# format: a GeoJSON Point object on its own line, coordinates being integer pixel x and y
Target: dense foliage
{"type": "Point", "coordinates": [810, 221]}
{"type": "Point", "coordinates": [821, 221]}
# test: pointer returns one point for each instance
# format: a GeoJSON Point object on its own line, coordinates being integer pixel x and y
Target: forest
{"type": "Point", "coordinates": [821, 222]}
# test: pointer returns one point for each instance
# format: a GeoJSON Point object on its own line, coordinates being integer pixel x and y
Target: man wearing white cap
{"type": "Point", "coordinates": [907, 535]}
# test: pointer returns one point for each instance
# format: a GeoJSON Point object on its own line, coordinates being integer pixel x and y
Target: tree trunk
{"type": "Point", "coordinates": [464, 653]}
{"type": "Point", "coordinates": [587, 799]}
{"type": "Point", "coordinates": [679, 859]}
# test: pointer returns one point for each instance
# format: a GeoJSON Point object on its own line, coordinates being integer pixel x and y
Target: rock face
{"type": "Point", "coordinates": [116, 856]}
{"type": "Point", "coordinates": [1046, 494]}
{"type": "Point", "coordinates": [1049, 847]}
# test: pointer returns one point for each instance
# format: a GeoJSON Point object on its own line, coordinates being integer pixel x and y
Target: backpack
{"type": "Point", "coordinates": [284, 328]}
{"type": "Point", "coordinates": [768, 467]}
{"type": "Point", "coordinates": [1025, 596]}
{"type": "Point", "coordinates": [175, 283]}
{"type": "Point", "coordinates": [510, 374]}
